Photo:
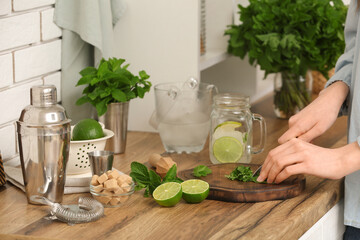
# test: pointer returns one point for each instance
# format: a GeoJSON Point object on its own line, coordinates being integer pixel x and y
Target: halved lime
{"type": "Point", "coordinates": [195, 190]}
{"type": "Point", "coordinates": [227, 149]}
{"type": "Point", "coordinates": [228, 125]}
{"type": "Point", "coordinates": [168, 194]}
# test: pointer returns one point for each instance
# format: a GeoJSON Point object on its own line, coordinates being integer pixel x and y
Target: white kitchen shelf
{"type": "Point", "coordinates": [212, 57]}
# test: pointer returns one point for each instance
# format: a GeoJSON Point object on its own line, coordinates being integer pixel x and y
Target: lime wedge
{"type": "Point", "coordinates": [168, 194]}
{"type": "Point", "coordinates": [227, 149]}
{"type": "Point", "coordinates": [228, 126]}
{"type": "Point", "coordinates": [195, 190]}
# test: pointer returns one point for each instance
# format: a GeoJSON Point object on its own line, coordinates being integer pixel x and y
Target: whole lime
{"type": "Point", "coordinates": [87, 129]}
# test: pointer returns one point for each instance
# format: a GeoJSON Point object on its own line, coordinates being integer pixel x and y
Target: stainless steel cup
{"type": "Point", "coordinates": [101, 161]}
{"type": "Point", "coordinates": [116, 119]}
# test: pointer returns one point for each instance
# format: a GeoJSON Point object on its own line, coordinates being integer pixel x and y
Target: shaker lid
{"type": "Point", "coordinates": [43, 109]}
{"type": "Point", "coordinates": [43, 95]}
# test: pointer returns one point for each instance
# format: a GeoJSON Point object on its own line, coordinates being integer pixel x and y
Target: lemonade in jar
{"type": "Point", "coordinates": [231, 129]}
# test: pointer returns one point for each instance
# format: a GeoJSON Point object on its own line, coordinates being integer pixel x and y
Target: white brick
{"type": "Point", "coordinates": [54, 79]}
{"type": "Point", "coordinates": [6, 70]}
{"type": "Point", "coordinates": [13, 101]}
{"type": "Point", "coordinates": [37, 60]}
{"type": "Point", "coordinates": [19, 30]}
{"type": "Point", "coordinates": [20, 5]}
{"type": "Point", "coordinates": [49, 29]}
{"type": "Point", "coordinates": [5, 7]}
{"type": "Point", "coordinates": [8, 141]}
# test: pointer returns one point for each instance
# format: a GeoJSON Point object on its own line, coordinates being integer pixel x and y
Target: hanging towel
{"type": "Point", "coordinates": [87, 37]}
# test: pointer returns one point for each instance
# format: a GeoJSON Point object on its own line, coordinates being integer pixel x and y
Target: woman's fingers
{"type": "Point", "coordinates": [282, 162]}
{"type": "Point", "coordinates": [280, 157]}
{"type": "Point", "coordinates": [289, 171]}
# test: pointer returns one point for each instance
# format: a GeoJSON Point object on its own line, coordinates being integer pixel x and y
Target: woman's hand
{"type": "Point", "coordinates": [300, 157]}
{"type": "Point", "coordinates": [318, 116]}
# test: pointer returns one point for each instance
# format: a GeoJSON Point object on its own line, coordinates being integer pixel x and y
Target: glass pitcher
{"type": "Point", "coordinates": [182, 114]}
{"type": "Point", "coordinates": [231, 127]}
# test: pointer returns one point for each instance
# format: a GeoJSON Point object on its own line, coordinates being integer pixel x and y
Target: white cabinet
{"type": "Point", "coordinates": [162, 37]}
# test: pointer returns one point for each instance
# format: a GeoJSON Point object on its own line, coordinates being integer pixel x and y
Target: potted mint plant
{"type": "Point", "coordinates": [289, 37]}
{"type": "Point", "coordinates": [109, 89]}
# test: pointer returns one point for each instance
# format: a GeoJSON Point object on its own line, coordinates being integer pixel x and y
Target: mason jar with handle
{"type": "Point", "coordinates": [231, 131]}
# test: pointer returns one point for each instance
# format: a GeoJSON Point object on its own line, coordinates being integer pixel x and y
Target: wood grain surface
{"type": "Point", "coordinates": [143, 218]}
{"type": "Point", "coordinates": [224, 189]}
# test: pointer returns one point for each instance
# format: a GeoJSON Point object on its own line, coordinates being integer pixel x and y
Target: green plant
{"type": "Point", "coordinates": [110, 83]}
{"type": "Point", "coordinates": [292, 37]}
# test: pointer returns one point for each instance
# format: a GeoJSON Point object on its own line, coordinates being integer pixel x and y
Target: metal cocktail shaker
{"type": "Point", "coordinates": [44, 139]}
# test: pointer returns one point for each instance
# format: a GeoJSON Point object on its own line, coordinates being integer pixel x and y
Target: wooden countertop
{"type": "Point", "coordinates": [142, 218]}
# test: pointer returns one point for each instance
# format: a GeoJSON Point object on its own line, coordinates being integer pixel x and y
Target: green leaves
{"type": "Point", "coordinates": [149, 180]}
{"type": "Point", "coordinates": [201, 171]}
{"type": "Point", "coordinates": [243, 174]}
{"type": "Point", "coordinates": [289, 35]}
{"type": "Point", "coordinates": [111, 82]}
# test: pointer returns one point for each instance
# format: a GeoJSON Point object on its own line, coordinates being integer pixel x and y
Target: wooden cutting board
{"type": "Point", "coordinates": [227, 190]}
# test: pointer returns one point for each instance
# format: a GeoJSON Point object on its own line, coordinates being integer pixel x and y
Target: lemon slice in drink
{"type": "Point", "coordinates": [168, 194]}
{"type": "Point", "coordinates": [227, 149]}
{"type": "Point", "coordinates": [195, 190]}
{"type": "Point", "coordinates": [228, 126]}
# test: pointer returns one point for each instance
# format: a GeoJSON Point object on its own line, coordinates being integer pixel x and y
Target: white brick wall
{"type": "Point", "coordinates": [19, 30]}
{"type": "Point", "coordinates": [8, 143]}
{"type": "Point", "coordinates": [5, 7]}
{"type": "Point", "coordinates": [36, 60]}
{"type": "Point", "coordinates": [20, 5]}
{"type": "Point", "coordinates": [49, 29]}
{"type": "Point", "coordinates": [30, 54]}
{"type": "Point", "coordinates": [6, 70]}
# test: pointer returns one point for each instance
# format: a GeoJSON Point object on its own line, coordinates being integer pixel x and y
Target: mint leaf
{"type": "Point", "coordinates": [201, 171]}
{"type": "Point", "coordinates": [119, 95]}
{"type": "Point", "coordinates": [101, 107]}
{"type": "Point", "coordinates": [155, 181]}
{"type": "Point", "coordinates": [143, 75]}
{"type": "Point", "coordinates": [82, 100]}
{"type": "Point", "coordinates": [88, 71]}
{"type": "Point", "coordinates": [139, 168]}
{"type": "Point", "coordinates": [85, 80]}
{"type": "Point", "coordinates": [171, 176]}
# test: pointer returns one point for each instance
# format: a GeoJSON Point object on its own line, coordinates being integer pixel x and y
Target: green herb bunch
{"type": "Point", "coordinates": [290, 35]}
{"type": "Point", "coordinates": [110, 83]}
{"type": "Point", "coordinates": [242, 174]}
{"type": "Point", "coordinates": [149, 179]}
